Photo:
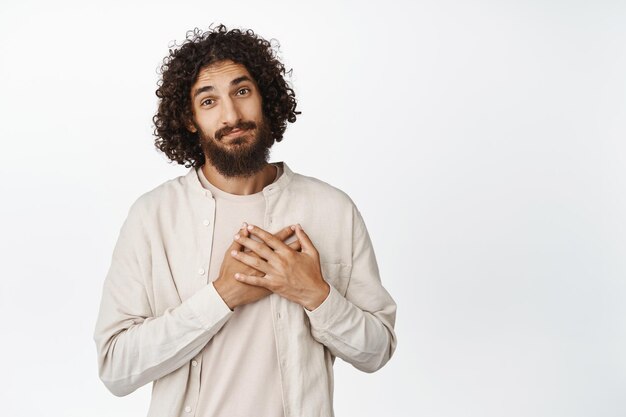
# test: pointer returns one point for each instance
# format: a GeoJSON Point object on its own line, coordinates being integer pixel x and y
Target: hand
{"type": "Point", "coordinates": [236, 293]}
{"type": "Point", "coordinates": [296, 276]}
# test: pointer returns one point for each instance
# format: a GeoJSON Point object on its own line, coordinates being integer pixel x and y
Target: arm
{"type": "Point", "coordinates": [135, 347]}
{"type": "Point", "coordinates": [358, 328]}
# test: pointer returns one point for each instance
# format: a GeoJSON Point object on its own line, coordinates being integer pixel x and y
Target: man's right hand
{"type": "Point", "coordinates": [233, 292]}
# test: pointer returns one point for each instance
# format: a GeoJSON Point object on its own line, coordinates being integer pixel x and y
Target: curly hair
{"type": "Point", "coordinates": [180, 71]}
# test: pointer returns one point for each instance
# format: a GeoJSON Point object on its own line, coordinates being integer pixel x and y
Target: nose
{"type": "Point", "coordinates": [230, 113]}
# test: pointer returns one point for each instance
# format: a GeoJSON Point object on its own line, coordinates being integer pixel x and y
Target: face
{"type": "Point", "coordinates": [228, 117]}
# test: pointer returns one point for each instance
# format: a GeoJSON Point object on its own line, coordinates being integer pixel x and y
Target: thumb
{"type": "Point", "coordinates": [284, 233]}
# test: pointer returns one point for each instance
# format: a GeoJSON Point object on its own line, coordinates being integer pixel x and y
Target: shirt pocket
{"type": "Point", "coordinates": [337, 275]}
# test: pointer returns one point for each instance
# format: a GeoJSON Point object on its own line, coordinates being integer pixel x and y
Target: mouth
{"type": "Point", "coordinates": [235, 133]}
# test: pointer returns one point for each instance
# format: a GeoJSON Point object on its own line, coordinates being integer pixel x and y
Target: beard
{"type": "Point", "coordinates": [238, 158]}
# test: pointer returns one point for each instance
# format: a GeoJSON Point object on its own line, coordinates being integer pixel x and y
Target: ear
{"type": "Point", "coordinates": [190, 126]}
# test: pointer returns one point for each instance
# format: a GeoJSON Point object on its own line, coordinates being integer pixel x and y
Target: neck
{"type": "Point", "coordinates": [240, 185]}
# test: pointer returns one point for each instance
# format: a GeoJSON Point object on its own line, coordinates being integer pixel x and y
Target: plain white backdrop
{"type": "Point", "coordinates": [483, 141]}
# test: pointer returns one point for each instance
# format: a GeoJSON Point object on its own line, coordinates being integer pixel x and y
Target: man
{"type": "Point", "coordinates": [235, 286]}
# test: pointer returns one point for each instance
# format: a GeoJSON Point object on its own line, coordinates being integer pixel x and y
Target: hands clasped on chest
{"type": "Point", "coordinates": [252, 270]}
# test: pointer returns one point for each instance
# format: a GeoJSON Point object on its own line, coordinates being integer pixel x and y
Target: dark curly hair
{"type": "Point", "coordinates": [180, 70]}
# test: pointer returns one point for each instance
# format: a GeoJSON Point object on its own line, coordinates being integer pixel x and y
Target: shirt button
{"type": "Point", "coordinates": [188, 409]}
{"type": "Point", "coordinates": [194, 363]}
{"type": "Point", "coordinates": [201, 271]}
{"type": "Point", "coordinates": [206, 222]}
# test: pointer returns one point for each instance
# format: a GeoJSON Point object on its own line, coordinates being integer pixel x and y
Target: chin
{"type": "Point", "coordinates": [239, 140]}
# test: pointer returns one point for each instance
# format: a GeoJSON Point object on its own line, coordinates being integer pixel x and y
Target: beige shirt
{"type": "Point", "coordinates": [159, 310]}
{"type": "Point", "coordinates": [241, 357]}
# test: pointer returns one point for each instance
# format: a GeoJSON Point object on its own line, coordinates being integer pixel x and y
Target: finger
{"type": "Point", "coordinates": [259, 248]}
{"type": "Point", "coordinates": [244, 232]}
{"type": "Point", "coordinates": [269, 239]}
{"type": "Point", "coordinates": [307, 245]}
{"type": "Point", "coordinates": [252, 280]}
{"type": "Point", "coordinates": [283, 234]}
{"type": "Point", "coordinates": [295, 245]}
{"type": "Point", "coordinates": [252, 261]}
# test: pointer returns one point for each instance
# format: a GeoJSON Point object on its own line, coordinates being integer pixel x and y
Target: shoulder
{"type": "Point", "coordinates": [164, 196]}
{"type": "Point", "coordinates": [316, 189]}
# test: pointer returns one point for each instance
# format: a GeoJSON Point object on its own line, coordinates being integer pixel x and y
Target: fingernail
{"type": "Point", "coordinates": [244, 225]}
{"type": "Point", "coordinates": [237, 276]}
{"type": "Point", "coordinates": [250, 227]}
{"type": "Point", "coordinates": [293, 227]}
{"type": "Point", "coordinates": [236, 236]}
{"type": "Point", "coordinates": [234, 253]}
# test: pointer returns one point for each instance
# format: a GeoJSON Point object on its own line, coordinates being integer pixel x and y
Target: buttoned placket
{"type": "Point", "coordinates": [271, 194]}
{"type": "Point", "coordinates": [205, 226]}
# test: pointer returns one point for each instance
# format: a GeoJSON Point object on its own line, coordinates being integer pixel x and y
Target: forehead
{"type": "Point", "coordinates": [220, 74]}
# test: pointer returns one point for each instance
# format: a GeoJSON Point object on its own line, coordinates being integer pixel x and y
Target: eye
{"type": "Point", "coordinates": [245, 90]}
{"type": "Point", "coordinates": [206, 102]}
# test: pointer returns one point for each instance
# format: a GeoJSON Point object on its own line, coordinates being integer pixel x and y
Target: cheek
{"type": "Point", "coordinates": [254, 110]}
{"type": "Point", "coordinates": [208, 126]}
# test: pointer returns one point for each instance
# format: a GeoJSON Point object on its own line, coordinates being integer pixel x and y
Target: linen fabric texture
{"type": "Point", "coordinates": [159, 310]}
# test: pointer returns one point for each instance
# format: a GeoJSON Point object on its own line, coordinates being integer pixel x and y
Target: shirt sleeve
{"type": "Point", "coordinates": [358, 328]}
{"type": "Point", "coordinates": [134, 346]}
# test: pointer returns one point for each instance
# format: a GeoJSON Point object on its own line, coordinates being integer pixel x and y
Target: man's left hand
{"type": "Point", "coordinates": [294, 275]}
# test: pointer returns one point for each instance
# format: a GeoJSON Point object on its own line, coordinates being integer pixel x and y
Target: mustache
{"type": "Point", "coordinates": [243, 125]}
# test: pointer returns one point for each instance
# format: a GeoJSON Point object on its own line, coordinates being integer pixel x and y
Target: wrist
{"type": "Point", "coordinates": [320, 297]}
{"type": "Point", "coordinates": [223, 291]}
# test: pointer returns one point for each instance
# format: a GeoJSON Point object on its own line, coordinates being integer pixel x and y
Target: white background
{"type": "Point", "coordinates": [483, 141]}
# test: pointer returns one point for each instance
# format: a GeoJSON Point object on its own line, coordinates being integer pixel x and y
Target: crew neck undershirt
{"type": "Point", "coordinates": [221, 194]}
{"type": "Point", "coordinates": [240, 373]}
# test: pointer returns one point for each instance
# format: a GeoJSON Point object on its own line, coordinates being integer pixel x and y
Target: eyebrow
{"type": "Point", "coordinates": [236, 81]}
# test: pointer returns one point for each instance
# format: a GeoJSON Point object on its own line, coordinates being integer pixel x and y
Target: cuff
{"type": "Point", "coordinates": [326, 312]}
{"type": "Point", "coordinates": [208, 307]}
